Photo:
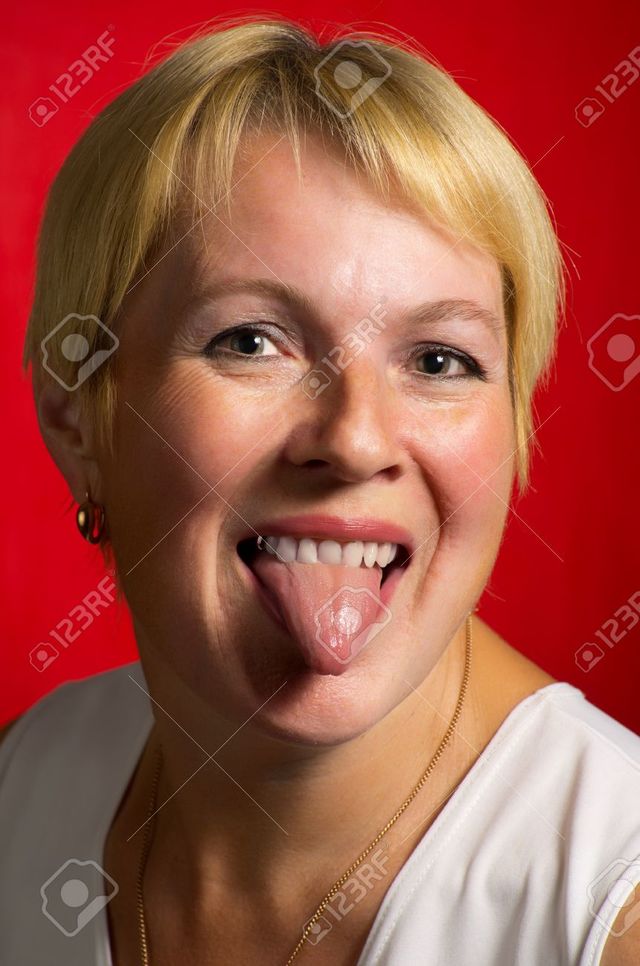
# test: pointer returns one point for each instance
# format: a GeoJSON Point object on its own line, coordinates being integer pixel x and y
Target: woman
{"type": "Point", "coordinates": [292, 303]}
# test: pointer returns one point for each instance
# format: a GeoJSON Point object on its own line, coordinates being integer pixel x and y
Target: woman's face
{"type": "Point", "coordinates": [406, 420]}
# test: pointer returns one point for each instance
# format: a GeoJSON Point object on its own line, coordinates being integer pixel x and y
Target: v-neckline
{"type": "Point", "coordinates": [135, 749]}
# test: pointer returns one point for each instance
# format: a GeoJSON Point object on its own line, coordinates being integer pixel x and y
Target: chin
{"type": "Point", "coordinates": [323, 712]}
{"type": "Point", "coordinates": [324, 709]}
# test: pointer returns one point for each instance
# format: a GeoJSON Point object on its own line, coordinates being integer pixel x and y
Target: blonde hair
{"type": "Point", "coordinates": [117, 197]}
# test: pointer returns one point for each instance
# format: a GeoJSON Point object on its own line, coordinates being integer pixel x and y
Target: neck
{"type": "Point", "coordinates": [260, 812]}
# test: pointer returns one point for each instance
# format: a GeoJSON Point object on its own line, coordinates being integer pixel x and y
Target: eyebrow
{"type": "Point", "coordinates": [428, 313]}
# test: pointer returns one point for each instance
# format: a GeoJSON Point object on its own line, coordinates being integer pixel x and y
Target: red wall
{"type": "Point", "coordinates": [571, 554]}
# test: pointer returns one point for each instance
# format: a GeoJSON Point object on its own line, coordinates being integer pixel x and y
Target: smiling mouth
{"type": "Point", "coordinates": [331, 596]}
{"type": "Point", "coordinates": [385, 556]}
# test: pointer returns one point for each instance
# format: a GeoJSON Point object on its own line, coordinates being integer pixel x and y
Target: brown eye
{"type": "Point", "coordinates": [246, 341]}
{"type": "Point", "coordinates": [444, 362]}
{"type": "Point", "coordinates": [441, 363]}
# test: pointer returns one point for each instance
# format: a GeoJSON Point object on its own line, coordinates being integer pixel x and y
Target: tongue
{"type": "Point", "coordinates": [331, 612]}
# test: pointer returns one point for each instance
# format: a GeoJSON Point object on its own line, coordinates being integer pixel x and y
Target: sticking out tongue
{"type": "Point", "coordinates": [331, 612]}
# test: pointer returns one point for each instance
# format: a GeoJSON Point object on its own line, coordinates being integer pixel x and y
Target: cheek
{"type": "Point", "coordinates": [188, 420]}
{"type": "Point", "coordinates": [224, 430]}
{"type": "Point", "coordinates": [178, 436]}
{"type": "Point", "coordinates": [157, 474]}
{"type": "Point", "coordinates": [466, 452]}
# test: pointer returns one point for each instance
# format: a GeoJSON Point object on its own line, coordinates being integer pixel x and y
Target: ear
{"type": "Point", "coordinates": [67, 436]}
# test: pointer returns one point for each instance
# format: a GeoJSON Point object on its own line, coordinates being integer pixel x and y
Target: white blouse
{"type": "Point", "coordinates": [528, 863]}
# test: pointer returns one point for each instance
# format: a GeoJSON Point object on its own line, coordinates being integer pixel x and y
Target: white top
{"type": "Point", "coordinates": [516, 870]}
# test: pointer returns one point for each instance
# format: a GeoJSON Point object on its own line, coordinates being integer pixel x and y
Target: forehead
{"type": "Point", "coordinates": [329, 235]}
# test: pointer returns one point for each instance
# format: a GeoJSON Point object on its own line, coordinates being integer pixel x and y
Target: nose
{"type": "Point", "coordinates": [348, 431]}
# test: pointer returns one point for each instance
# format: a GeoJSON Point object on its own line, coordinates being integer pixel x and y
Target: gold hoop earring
{"type": "Point", "coordinates": [90, 518]}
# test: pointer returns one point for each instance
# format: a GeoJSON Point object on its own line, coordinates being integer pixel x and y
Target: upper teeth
{"type": "Point", "coordinates": [309, 551]}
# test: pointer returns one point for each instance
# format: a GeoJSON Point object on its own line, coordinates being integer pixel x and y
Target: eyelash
{"type": "Point", "coordinates": [475, 369]}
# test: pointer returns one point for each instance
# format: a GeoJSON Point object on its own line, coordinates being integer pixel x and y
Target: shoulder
{"type": "Point", "coordinates": [63, 761]}
{"type": "Point", "coordinates": [578, 769]}
{"type": "Point", "coordinates": [536, 845]}
{"type": "Point", "coordinates": [73, 716]}
{"type": "Point", "coordinates": [506, 679]}
{"type": "Point", "coordinates": [64, 765]}
{"type": "Point", "coordinates": [604, 779]}
{"type": "Point", "coordinates": [562, 735]}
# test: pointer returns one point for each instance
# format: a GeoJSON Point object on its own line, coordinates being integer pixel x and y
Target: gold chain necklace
{"type": "Point", "coordinates": [144, 855]}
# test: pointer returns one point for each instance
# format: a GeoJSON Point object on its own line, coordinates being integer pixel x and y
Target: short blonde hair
{"type": "Point", "coordinates": [117, 197]}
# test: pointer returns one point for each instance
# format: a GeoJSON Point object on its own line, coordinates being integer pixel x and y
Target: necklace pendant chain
{"type": "Point", "coordinates": [337, 885]}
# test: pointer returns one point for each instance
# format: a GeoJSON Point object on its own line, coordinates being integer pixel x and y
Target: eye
{"type": "Point", "coordinates": [444, 362]}
{"type": "Point", "coordinates": [245, 340]}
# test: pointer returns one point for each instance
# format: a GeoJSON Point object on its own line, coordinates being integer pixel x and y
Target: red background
{"type": "Point", "coordinates": [529, 67]}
